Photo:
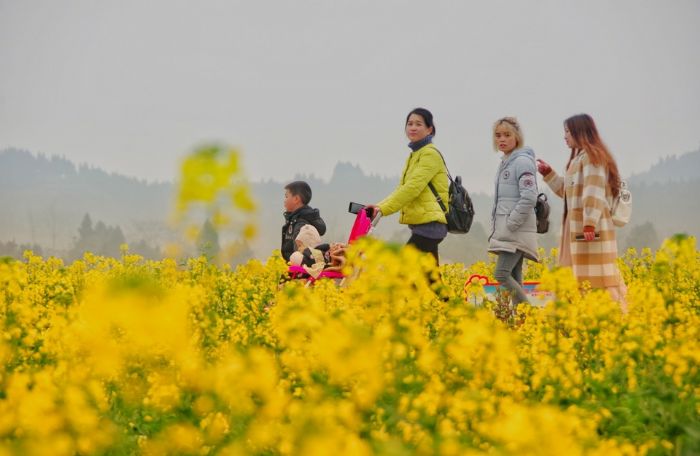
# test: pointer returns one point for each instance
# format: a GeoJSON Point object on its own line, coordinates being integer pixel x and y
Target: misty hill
{"type": "Point", "coordinates": [674, 168]}
{"type": "Point", "coordinates": [43, 200]}
{"type": "Point", "coordinates": [666, 197]}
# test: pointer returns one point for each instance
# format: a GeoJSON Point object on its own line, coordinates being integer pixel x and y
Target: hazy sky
{"type": "Point", "coordinates": [131, 86]}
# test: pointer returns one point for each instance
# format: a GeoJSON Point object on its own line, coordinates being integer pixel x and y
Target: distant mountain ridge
{"type": "Point", "coordinates": [43, 200]}
{"type": "Point", "coordinates": [673, 168]}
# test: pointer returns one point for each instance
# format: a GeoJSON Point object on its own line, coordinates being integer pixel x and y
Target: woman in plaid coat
{"type": "Point", "coordinates": [592, 181]}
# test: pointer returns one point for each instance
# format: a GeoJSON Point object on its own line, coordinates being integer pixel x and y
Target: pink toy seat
{"type": "Point", "coordinates": [298, 272]}
{"type": "Point", "coordinates": [361, 226]}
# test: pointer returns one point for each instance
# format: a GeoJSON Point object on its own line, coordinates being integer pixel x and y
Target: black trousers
{"type": "Point", "coordinates": [425, 244]}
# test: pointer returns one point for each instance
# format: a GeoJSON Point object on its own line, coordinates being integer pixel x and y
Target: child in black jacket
{"type": "Point", "coordinates": [298, 213]}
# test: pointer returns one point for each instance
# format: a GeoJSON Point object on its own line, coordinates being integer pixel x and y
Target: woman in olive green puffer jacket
{"type": "Point", "coordinates": [419, 208]}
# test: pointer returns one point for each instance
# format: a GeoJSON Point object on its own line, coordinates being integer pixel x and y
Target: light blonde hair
{"type": "Point", "coordinates": [512, 125]}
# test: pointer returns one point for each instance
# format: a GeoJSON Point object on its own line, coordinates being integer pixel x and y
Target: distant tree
{"type": "Point", "coordinates": [147, 251]}
{"type": "Point", "coordinates": [8, 248]}
{"type": "Point", "coordinates": [641, 236]}
{"type": "Point", "coordinates": [113, 240]}
{"type": "Point", "coordinates": [16, 251]}
{"type": "Point", "coordinates": [208, 241]}
{"type": "Point", "coordinates": [36, 248]}
{"type": "Point", "coordinates": [85, 231]}
{"type": "Point", "coordinates": [241, 253]}
{"type": "Point", "coordinates": [99, 239]}
{"type": "Point", "coordinates": [153, 232]}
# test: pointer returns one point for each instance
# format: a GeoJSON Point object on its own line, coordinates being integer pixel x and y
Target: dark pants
{"type": "Point", "coordinates": [425, 244]}
{"type": "Point", "coordinates": [509, 272]}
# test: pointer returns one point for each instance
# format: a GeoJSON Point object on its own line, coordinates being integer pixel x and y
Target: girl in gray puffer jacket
{"type": "Point", "coordinates": [513, 223]}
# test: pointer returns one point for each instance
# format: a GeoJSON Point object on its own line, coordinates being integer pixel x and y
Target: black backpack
{"type": "Point", "coordinates": [542, 213]}
{"type": "Point", "coordinates": [461, 213]}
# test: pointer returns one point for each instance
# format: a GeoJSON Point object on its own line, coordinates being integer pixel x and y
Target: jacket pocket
{"type": "Point", "coordinates": [522, 222]}
{"type": "Point", "coordinates": [504, 208]}
{"type": "Point", "coordinates": [511, 222]}
{"type": "Point", "coordinates": [501, 231]}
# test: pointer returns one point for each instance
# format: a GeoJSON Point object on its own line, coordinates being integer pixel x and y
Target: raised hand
{"type": "Point", "coordinates": [543, 167]}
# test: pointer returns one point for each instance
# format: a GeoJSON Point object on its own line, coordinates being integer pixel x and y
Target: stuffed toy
{"type": "Point", "coordinates": [315, 257]}
{"type": "Point", "coordinates": [314, 260]}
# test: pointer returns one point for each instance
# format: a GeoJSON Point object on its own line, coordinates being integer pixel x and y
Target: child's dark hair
{"type": "Point", "coordinates": [426, 115]}
{"type": "Point", "coordinates": [300, 189]}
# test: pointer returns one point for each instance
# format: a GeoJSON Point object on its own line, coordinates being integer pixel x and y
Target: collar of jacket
{"type": "Point", "coordinates": [422, 143]}
{"type": "Point", "coordinates": [302, 210]}
{"type": "Point", "coordinates": [516, 153]}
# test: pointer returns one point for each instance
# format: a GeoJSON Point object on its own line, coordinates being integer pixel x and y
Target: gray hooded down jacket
{"type": "Point", "coordinates": [513, 222]}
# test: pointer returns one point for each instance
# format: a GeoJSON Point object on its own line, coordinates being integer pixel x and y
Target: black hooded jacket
{"type": "Point", "coordinates": [294, 221]}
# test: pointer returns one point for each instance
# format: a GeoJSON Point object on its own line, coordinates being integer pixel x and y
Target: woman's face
{"type": "Point", "coordinates": [505, 139]}
{"type": "Point", "coordinates": [416, 129]}
{"type": "Point", "coordinates": [569, 139]}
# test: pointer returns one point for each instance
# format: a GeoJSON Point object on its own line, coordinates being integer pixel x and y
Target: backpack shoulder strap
{"type": "Point", "coordinates": [449, 176]}
{"type": "Point", "coordinates": [430, 184]}
{"type": "Point", "coordinates": [437, 197]}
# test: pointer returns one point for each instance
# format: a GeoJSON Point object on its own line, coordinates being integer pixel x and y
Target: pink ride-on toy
{"type": "Point", "coordinates": [362, 226]}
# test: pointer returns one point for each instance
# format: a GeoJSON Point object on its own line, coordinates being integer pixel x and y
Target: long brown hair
{"type": "Point", "coordinates": [586, 137]}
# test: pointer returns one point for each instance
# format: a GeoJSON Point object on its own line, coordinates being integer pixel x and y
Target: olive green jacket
{"type": "Point", "coordinates": [413, 197]}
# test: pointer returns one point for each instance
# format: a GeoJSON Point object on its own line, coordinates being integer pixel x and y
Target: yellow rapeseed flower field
{"type": "Point", "coordinates": [127, 356]}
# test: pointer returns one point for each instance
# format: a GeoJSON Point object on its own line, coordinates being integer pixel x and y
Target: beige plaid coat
{"type": "Point", "coordinates": [588, 201]}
